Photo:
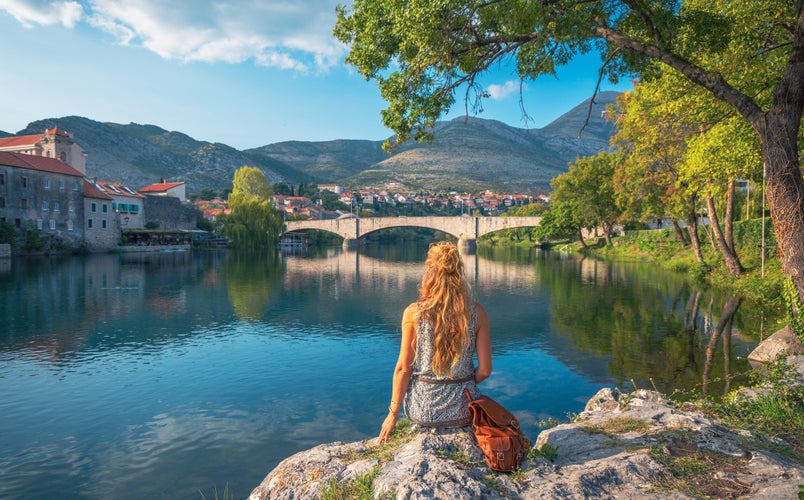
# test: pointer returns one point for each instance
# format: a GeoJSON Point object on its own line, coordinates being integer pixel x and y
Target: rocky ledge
{"type": "Point", "coordinates": [635, 445]}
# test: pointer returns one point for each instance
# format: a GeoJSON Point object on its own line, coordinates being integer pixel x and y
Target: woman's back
{"type": "Point", "coordinates": [434, 400]}
{"type": "Point", "coordinates": [441, 335]}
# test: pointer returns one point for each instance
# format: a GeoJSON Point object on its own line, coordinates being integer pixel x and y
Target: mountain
{"type": "Point", "coordinates": [467, 154]}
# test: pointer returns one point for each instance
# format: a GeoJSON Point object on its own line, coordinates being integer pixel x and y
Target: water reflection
{"type": "Point", "coordinates": [251, 282]}
{"type": "Point", "coordinates": [134, 376]}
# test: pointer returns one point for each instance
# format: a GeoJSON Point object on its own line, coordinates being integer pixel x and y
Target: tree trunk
{"type": "Point", "coordinates": [679, 232]}
{"type": "Point", "coordinates": [580, 236]}
{"type": "Point", "coordinates": [785, 194]}
{"type": "Point", "coordinates": [692, 230]}
{"type": "Point", "coordinates": [729, 257]}
{"type": "Point", "coordinates": [723, 329]}
{"type": "Point", "coordinates": [607, 233]}
{"type": "Point", "coordinates": [728, 224]}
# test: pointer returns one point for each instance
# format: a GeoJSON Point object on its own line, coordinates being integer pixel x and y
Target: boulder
{"type": "Point", "coordinates": [782, 342]}
{"type": "Point", "coordinates": [621, 446]}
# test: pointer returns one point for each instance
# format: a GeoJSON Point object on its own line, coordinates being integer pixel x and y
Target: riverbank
{"type": "Point", "coordinates": [761, 281]}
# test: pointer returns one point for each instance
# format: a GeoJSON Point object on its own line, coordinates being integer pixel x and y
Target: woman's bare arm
{"type": "Point", "coordinates": [482, 346]}
{"type": "Point", "coordinates": [402, 372]}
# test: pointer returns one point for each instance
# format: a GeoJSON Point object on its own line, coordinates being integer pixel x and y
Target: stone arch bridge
{"type": "Point", "coordinates": [466, 229]}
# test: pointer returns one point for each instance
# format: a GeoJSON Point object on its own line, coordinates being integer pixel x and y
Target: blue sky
{"type": "Point", "coordinates": [242, 72]}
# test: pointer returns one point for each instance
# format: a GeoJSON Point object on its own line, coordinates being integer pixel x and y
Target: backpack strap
{"type": "Point", "coordinates": [468, 395]}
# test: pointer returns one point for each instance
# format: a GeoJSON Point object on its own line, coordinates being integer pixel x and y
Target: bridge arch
{"type": "Point", "coordinates": [465, 229]}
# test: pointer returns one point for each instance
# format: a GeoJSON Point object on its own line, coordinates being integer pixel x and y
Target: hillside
{"type": "Point", "coordinates": [473, 153]}
{"type": "Point", "coordinates": [467, 154]}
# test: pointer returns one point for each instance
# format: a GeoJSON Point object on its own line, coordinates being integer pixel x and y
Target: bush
{"type": "Point", "coordinates": [34, 241]}
{"type": "Point", "coordinates": [7, 232]}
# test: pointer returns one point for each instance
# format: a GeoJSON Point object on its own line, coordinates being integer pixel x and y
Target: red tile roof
{"type": "Point", "coordinates": [160, 187]}
{"type": "Point", "coordinates": [20, 140]}
{"type": "Point", "coordinates": [57, 131]}
{"type": "Point", "coordinates": [16, 141]}
{"type": "Point", "coordinates": [40, 163]}
{"type": "Point", "coordinates": [90, 191]}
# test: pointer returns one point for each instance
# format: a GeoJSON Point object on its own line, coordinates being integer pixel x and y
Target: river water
{"type": "Point", "coordinates": [175, 375]}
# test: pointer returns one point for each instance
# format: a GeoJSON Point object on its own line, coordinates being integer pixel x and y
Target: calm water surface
{"type": "Point", "coordinates": [171, 375]}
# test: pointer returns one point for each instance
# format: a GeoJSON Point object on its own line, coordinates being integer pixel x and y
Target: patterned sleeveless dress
{"type": "Point", "coordinates": [439, 401]}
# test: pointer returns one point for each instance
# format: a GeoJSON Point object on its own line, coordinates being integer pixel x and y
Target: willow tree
{"type": "Point", "coordinates": [253, 222]}
{"type": "Point", "coordinates": [422, 52]}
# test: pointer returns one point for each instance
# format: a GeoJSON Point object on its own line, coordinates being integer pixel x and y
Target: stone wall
{"type": "Point", "coordinates": [102, 230]}
{"type": "Point", "coordinates": [170, 213]}
{"type": "Point", "coordinates": [5, 250]}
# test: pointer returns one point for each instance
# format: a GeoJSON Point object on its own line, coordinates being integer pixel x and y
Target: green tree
{"type": "Point", "coordinates": [309, 190]}
{"type": "Point", "coordinates": [282, 188]}
{"type": "Point", "coordinates": [587, 192]}
{"type": "Point", "coordinates": [529, 210]}
{"type": "Point", "coordinates": [648, 183]}
{"type": "Point", "coordinates": [249, 184]}
{"type": "Point", "coordinates": [421, 52]}
{"type": "Point", "coordinates": [330, 201]}
{"type": "Point", "coordinates": [7, 232]}
{"type": "Point", "coordinates": [253, 222]}
{"type": "Point", "coordinates": [560, 222]}
{"type": "Point", "coordinates": [681, 152]}
{"type": "Point", "coordinates": [204, 194]}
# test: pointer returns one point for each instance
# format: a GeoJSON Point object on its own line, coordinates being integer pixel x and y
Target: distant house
{"type": "Point", "coordinates": [165, 188]}
{"type": "Point", "coordinates": [42, 193]}
{"type": "Point", "coordinates": [331, 187]}
{"type": "Point", "coordinates": [102, 231]}
{"type": "Point", "coordinates": [127, 204]}
{"type": "Point", "coordinates": [54, 143]}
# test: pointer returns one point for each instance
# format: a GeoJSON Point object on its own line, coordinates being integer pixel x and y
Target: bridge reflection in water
{"type": "Point", "coordinates": [351, 267]}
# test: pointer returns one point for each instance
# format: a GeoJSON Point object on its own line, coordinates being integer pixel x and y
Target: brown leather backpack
{"type": "Point", "coordinates": [498, 434]}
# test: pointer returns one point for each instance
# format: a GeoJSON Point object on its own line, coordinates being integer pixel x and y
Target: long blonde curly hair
{"type": "Point", "coordinates": [445, 301]}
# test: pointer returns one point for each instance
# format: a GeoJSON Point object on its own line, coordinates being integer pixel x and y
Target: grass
{"type": "Point", "coordinates": [227, 495]}
{"type": "Point", "coordinates": [457, 456]}
{"type": "Point", "coordinates": [694, 472]}
{"type": "Point", "coordinates": [491, 482]}
{"type": "Point", "coordinates": [661, 247]}
{"type": "Point", "coordinates": [384, 452]}
{"type": "Point", "coordinates": [362, 488]}
{"type": "Point", "coordinates": [546, 451]}
{"type": "Point", "coordinates": [619, 425]}
{"type": "Point", "coordinates": [775, 416]}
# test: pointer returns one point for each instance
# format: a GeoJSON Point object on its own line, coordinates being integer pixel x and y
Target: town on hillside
{"type": "Point", "coordinates": [48, 199]}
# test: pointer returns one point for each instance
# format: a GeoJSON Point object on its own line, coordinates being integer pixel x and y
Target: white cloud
{"type": "Point", "coordinates": [498, 92]}
{"type": "Point", "coordinates": [30, 13]}
{"type": "Point", "coordinates": [295, 35]}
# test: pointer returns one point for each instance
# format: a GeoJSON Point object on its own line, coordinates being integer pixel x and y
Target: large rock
{"type": "Point", "coordinates": [783, 342]}
{"type": "Point", "coordinates": [621, 446]}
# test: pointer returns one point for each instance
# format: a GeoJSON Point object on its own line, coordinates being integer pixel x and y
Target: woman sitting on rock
{"type": "Point", "coordinates": [441, 333]}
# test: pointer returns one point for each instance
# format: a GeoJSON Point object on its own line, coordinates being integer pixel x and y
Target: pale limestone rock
{"type": "Point", "coordinates": [592, 460]}
{"type": "Point", "coordinates": [782, 342]}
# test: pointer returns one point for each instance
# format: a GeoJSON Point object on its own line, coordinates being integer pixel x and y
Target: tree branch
{"type": "Point", "coordinates": [715, 84]}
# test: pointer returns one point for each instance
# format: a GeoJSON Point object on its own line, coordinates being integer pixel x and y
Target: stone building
{"type": "Point", "coordinates": [165, 188]}
{"type": "Point", "coordinates": [42, 193]}
{"type": "Point", "coordinates": [102, 231]}
{"type": "Point", "coordinates": [54, 143]}
{"type": "Point", "coordinates": [127, 204]}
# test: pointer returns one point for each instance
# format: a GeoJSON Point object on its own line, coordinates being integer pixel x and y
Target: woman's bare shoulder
{"type": "Point", "coordinates": [411, 313]}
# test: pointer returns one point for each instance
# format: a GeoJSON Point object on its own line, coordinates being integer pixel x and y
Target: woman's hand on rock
{"type": "Point", "coordinates": [387, 427]}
